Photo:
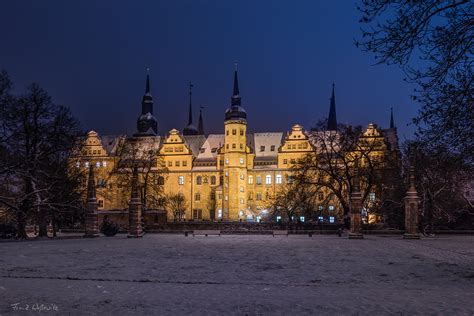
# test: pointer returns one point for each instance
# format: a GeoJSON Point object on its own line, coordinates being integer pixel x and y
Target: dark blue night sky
{"type": "Point", "coordinates": [93, 55]}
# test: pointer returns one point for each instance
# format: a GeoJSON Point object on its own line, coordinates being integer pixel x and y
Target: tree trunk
{"type": "Point", "coordinates": [21, 224]}
{"type": "Point", "coordinates": [42, 223]}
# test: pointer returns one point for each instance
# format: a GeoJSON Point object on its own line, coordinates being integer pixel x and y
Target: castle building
{"type": "Point", "coordinates": [231, 176]}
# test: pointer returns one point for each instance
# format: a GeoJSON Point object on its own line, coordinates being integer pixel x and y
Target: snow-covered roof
{"type": "Point", "coordinates": [194, 143]}
{"type": "Point", "coordinates": [267, 144]}
{"type": "Point", "coordinates": [211, 145]}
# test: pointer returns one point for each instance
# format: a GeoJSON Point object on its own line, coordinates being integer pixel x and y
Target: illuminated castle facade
{"type": "Point", "coordinates": [231, 176]}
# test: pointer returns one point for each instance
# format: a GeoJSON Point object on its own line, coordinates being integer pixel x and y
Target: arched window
{"type": "Point", "coordinates": [213, 180]}
{"type": "Point", "coordinates": [161, 180]}
{"type": "Point", "coordinates": [199, 180]}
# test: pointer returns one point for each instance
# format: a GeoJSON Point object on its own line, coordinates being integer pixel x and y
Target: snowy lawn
{"type": "Point", "coordinates": [250, 274]}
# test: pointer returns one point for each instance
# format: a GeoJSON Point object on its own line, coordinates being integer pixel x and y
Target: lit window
{"type": "Point", "coordinates": [242, 177]}
{"type": "Point", "coordinates": [241, 201]}
{"type": "Point", "coordinates": [78, 164]}
{"type": "Point", "coordinates": [302, 219]}
{"type": "Point", "coordinates": [250, 179]}
{"type": "Point", "coordinates": [241, 161]}
{"type": "Point", "coordinates": [219, 213]}
{"type": "Point", "coordinates": [86, 164]}
{"type": "Point", "coordinates": [278, 179]}
{"type": "Point", "coordinates": [258, 180]}
{"type": "Point", "coordinates": [241, 189]}
{"type": "Point", "coordinates": [268, 179]}
{"type": "Point", "coordinates": [331, 207]}
{"type": "Point", "coordinates": [227, 161]}
{"type": "Point", "coordinates": [104, 163]}
{"type": "Point", "coordinates": [278, 218]}
{"type": "Point", "coordinates": [181, 180]}
{"type": "Point", "coordinates": [321, 218]}
{"type": "Point", "coordinates": [226, 173]}
{"type": "Point", "coordinates": [226, 198]}
{"type": "Point", "coordinates": [331, 219]}
{"type": "Point", "coordinates": [258, 219]}
{"type": "Point", "coordinates": [372, 196]}
{"type": "Point", "coordinates": [320, 208]}
{"type": "Point", "coordinates": [97, 164]}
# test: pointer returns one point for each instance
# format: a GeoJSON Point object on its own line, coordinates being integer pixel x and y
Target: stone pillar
{"type": "Point", "coordinates": [92, 215]}
{"type": "Point", "coordinates": [412, 201]}
{"type": "Point", "coordinates": [356, 209]}
{"type": "Point", "coordinates": [135, 210]}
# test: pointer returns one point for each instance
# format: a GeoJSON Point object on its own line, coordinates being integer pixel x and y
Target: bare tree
{"type": "Point", "coordinates": [37, 138]}
{"type": "Point", "coordinates": [176, 204]}
{"type": "Point", "coordinates": [433, 42]}
{"type": "Point", "coordinates": [143, 154]}
{"type": "Point", "coordinates": [339, 157]}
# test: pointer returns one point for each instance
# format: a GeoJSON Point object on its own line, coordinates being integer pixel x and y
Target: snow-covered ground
{"type": "Point", "coordinates": [250, 274]}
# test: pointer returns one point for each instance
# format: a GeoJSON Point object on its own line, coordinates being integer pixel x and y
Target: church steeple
{"type": "Point", "coordinates": [392, 124]}
{"type": "Point", "coordinates": [147, 123]}
{"type": "Point", "coordinates": [190, 129]}
{"type": "Point", "coordinates": [200, 124]}
{"type": "Point", "coordinates": [332, 121]}
{"type": "Point", "coordinates": [236, 111]}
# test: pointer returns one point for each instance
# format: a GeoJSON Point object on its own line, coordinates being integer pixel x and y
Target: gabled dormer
{"type": "Point", "coordinates": [176, 154]}
{"type": "Point", "coordinates": [295, 146]}
{"type": "Point", "coordinates": [92, 146]}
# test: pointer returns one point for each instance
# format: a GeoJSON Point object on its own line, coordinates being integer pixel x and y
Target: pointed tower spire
{"type": "Point", "coordinates": [147, 88]}
{"type": "Point", "coordinates": [236, 99]}
{"type": "Point", "coordinates": [332, 121]}
{"type": "Point", "coordinates": [392, 124]}
{"type": "Point", "coordinates": [200, 124]}
{"type": "Point", "coordinates": [146, 122]}
{"type": "Point", "coordinates": [190, 116]}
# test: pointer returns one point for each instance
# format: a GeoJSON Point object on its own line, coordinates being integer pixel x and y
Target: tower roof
{"type": "Point", "coordinates": [190, 129]}
{"type": "Point", "coordinates": [146, 122]}
{"type": "Point", "coordinates": [332, 121]}
{"type": "Point", "coordinates": [236, 111]}
{"type": "Point", "coordinates": [392, 124]}
{"type": "Point", "coordinates": [200, 124]}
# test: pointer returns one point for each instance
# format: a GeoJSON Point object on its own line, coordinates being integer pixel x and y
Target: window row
{"type": "Point", "coordinates": [98, 164]}
{"type": "Point", "coordinates": [178, 163]}
{"type": "Point", "coordinates": [234, 132]}
{"type": "Point", "coordinates": [268, 179]}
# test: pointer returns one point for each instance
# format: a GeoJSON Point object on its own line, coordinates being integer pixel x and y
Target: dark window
{"type": "Point", "coordinates": [213, 180]}
{"type": "Point", "coordinates": [199, 180]}
{"type": "Point", "coordinates": [161, 180]}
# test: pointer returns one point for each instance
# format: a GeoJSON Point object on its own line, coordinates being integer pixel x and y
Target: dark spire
{"type": "Point", "coordinates": [332, 121]}
{"type": "Point", "coordinates": [91, 183]}
{"type": "Point", "coordinates": [146, 122]}
{"type": "Point", "coordinates": [190, 117]}
{"type": "Point", "coordinates": [147, 88]}
{"type": "Point", "coordinates": [392, 124]}
{"type": "Point", "coordinates": [236, 99]}
{"type": "Point", "coordinates": [200, 124]}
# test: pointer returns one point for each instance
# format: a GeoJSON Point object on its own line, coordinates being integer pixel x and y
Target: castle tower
{"type": "Point", "coordinates": [235, 157]}
{"type": "Point", "coordinates": [190, 129]}
{"type": "Point", "coordinates": [332, 121]}
{"type": "Point", "coordinates": [146, 123]}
